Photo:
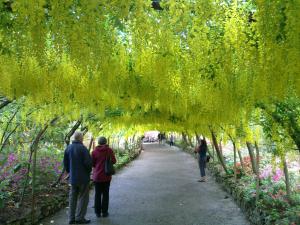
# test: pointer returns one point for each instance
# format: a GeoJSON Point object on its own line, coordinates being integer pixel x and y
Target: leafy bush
{"type": "Point", "coordinates": [3, 192]}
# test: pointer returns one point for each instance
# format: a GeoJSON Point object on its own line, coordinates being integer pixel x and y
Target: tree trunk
{"type": "Point", "coordinates": [234, 157]}
{"type": "Point", "coordinates": [287, 177]}
{"type": "Point", "coordinates": [33, 148]}
{"type": "Point", "coordinates": [190, 141]}
{"type": "Point", "coordinates": [213, 149]}
{"type": "Point", "coordinates": [241, 159]}
{"type": "Point", "coordinates": [184, 138]}
{"type": "Point", "coordinates": [234, 160]}
{"type": "Point", "coordinates": [91, 144]}
{"type": "Point", "coordinates": [219, 154]}
{"type": "Point", "coordinates": [126, 144]}
{"type": "Point", "coordinates": [252, 156]}
{"type": "Point", "coordinates": [257, 172]}
{"type": "Point", "coordinates": [198, 138]}
{"type": "Point", "coordinates": [221, 147]}
{"type": "Point", "coordinates": [26, 179]}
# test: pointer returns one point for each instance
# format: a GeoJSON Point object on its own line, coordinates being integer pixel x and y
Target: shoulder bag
{"type": "Point", "coordinates": [109, 167]}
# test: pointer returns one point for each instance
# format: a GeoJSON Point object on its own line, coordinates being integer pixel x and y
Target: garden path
{"type": "Point", "coordinates": [160, 188]}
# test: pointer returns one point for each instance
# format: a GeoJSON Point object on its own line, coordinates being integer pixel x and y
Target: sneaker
{"type": "Point", "coordinates": [72, 222]}
{"type": "Point", "coordinates": [83, 221]}
{"type": "Point", "coordinates": [201, 180]}
{"type": "Point", "coordinates": [105, 214]}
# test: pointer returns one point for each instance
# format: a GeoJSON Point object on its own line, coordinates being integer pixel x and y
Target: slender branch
{"type": "Point", "coordinates": [33, 148]}
{"type": "Point", "coordinates": [219, 153]}
{"type": "Point", "coordinates": [27, 178]}
{"type": "Point", "coordinates": [184, 138]}
{"type": "Point", "coordinates": [84, 130]}
{"type": "Point", "coordinates": [8, 136]}
{"type": "Point", "coordinates": [8, 123]}
{"type": "Point", "coordinates": [290, 126]}
{"type": "Point", "coordinates": [252, 156]}
{"type": "Point", "coordinates": [72, 131]}
{"type": "Point", "coordinates": [198, 138]}
{"type": "Point", "coordinates": [286, 176]}
{"type": "Point", "coordinates": [241, 159]}
{"type": "Point", "coordinates": [17, 125]}
{"type": "Point", "coordinates": [257, 172]}
{"type": "Point", "coordinates": [91, 144]}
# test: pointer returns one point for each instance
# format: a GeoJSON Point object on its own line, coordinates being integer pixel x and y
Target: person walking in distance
{"type": "Point", "coordinates": [172, 139]}
{"type": "Point", "coordinates": [202, 150]}
{"type": "Point", "coordinates": [78, 164]}
{"type": "Point", "coordinates": [101, 180]}
{"type": "Point", "coordinates": [159, 137]}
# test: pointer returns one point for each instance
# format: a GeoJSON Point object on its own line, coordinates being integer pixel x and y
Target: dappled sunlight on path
{"type": "Point", "coordinates": [160, 187]}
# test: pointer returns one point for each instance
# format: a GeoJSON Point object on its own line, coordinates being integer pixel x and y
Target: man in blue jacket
{"type": "Point", "coordinates": [78, 164]}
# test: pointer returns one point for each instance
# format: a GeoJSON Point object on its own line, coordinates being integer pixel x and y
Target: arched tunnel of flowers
{"type": "Point", "coordinates": [226, 70]}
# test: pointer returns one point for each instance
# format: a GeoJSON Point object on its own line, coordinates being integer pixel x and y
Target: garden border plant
{"type": "Point", "coordinates": [264, 211]}
{"type": "Point", "coordinates": [47, 206]}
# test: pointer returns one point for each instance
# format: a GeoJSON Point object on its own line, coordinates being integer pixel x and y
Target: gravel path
{"type": "Point", "coordinates": [160, 187]}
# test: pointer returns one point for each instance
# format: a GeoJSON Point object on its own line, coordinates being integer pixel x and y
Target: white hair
{"type": "Point", "coordinates": [78, 136]}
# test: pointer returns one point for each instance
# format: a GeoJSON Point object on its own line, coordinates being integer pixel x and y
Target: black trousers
{"type": "Point", "coordinates": [101, 197]}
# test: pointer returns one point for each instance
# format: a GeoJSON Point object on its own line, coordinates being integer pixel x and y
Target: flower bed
{"type": "Point", "coordinates": [271, 208]}
{"type": "Point", "coordinates": [48, 200]}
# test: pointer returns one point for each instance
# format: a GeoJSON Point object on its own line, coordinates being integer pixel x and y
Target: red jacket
{"type": "Point", "coordinates": [98, 157]}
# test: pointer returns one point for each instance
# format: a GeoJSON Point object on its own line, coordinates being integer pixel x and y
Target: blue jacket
{"type": "Point", "coordinates": [78, 163]}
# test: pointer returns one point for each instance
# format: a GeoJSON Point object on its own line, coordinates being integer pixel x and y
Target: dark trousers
{"type": "Point", "coordinates": [78, 192]}
{"type": "Point", "coordinates": [202, 165]}
{"type": "Point", "coordinates": [101, 197]}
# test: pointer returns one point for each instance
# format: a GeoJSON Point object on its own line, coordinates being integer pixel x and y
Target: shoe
{"type": "Point", "coordinates": [72, 222]}
{"type": "Point", "coordinates": [105, 214]}
{"type": "Point", "coordinates": [202, 180]}
{"type": "Point", "coordinates": [83, 221]}
{"type": "Point", "coordinates": [98, 215]}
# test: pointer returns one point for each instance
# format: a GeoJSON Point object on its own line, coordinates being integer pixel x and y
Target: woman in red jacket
{"type": "Point", "coordinates": [101, 181]}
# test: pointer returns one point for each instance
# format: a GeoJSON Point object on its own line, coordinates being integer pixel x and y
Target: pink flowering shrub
{"type": "Point", "coordinates": [48, 169]}
{"type": "Point", "coordinates": [278, 175]}
{"type": "Point", "coordinates": [267, 173]}
{"type": "Point", "coordinates": [12, 170]}
{"type": "Point", "coordinates": [15, 170]}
